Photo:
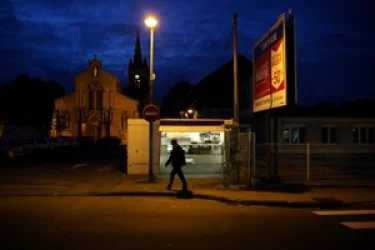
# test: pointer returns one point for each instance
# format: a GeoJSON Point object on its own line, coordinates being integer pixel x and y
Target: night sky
{"type": "Point", "coordinates": [54, 39]}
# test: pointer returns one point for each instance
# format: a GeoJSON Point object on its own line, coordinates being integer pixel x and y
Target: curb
{"type": "Point", "coordinates": [270, 203]}
{"type": "Point", "coordinates": [369, 186]}
{"type": "Point", "coordinates": [236, 202]}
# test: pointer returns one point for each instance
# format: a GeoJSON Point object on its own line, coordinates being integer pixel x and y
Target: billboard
{"type": "Point", "coordinates": [270, 81]}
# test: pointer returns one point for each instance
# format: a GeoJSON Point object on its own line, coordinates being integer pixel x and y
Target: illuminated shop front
{"type": "Point", "coordinates": [203, 142]}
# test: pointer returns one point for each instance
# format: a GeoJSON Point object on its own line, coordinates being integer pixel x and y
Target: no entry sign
{"type": "Point", "coordinates": [151, 113]}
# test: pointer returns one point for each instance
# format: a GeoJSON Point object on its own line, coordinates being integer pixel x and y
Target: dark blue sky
{"type": "Point", "coordinates": [55, 39]}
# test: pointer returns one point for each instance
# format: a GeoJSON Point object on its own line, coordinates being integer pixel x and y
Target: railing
{"type": "Point", "coordinates": [318, 161]}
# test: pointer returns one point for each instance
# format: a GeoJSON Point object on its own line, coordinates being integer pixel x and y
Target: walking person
{"type": "Point", "coordinates": [177, 159]}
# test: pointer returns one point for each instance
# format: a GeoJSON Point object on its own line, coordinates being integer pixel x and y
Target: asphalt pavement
{"type": "Point", "coordinates": [170, 223]}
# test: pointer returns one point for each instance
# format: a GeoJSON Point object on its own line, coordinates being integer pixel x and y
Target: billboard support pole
{"type": "Point", "coordinates": [269, 142]}
{"type": "Point", "coordinates": [275, 178]}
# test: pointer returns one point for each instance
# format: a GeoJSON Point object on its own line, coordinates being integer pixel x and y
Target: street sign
{"type": "Point", "coordinates": [151, 113]}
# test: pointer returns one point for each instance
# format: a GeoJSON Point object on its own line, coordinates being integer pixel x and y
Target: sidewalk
{"type": "Point", "coordinates": [106, 182]}
{"type": "Point", "coordinates": [213, 190]}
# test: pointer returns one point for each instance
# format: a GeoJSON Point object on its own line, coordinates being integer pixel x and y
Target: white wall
{"type": "Point", "coordinates": [138, 146]}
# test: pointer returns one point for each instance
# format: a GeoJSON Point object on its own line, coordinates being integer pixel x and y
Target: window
{"type": "Point", "coordinates": [99, 99]}
{"type": "Point", "coordinates": [137, 81]}
{"type": "Point", "coordinates": [363, 135]}
{"type": "Point", "coordinates": [294, 134]}
{"type": "Point", "coordinates": [91, 99]}
{"type": "Point", "coordinates": [124, 121]}
{"type": "Point", "coordinates": [95, 97]}
{"type": "Point", "coordinates": [329, 134]}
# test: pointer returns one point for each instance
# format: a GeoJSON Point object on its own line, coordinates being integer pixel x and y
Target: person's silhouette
{"type": "Point", "coordinates": [177, 158]}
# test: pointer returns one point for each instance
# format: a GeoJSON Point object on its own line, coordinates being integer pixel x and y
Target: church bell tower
{"type": "Point", "coordinates": [138, 74]}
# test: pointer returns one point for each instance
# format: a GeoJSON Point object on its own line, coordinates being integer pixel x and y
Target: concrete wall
{"type": "Point", "coordinates": [138, 146]}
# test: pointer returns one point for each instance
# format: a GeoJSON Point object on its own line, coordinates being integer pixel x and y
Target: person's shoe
{"type": "Point", "coordinates": [168, 188]}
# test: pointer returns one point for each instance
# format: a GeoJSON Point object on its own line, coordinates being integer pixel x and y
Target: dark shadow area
{"type": "Point", "coordinates": [329, 201]}
{"type": "Point", "coordinates": [263, 184]}
{"type": "Point", "coordinates": [86, 150]}
{"type": "Point", "coordinates": [185, 194]}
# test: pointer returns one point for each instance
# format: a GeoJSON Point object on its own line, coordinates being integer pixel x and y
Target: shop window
{"type": "Point", "coordinates": [329, 135]}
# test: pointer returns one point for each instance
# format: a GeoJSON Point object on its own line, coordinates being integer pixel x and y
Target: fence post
{"type": "Point", "coordinates": [308, 161]}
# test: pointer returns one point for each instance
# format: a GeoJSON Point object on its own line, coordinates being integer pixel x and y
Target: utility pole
{"type": "Point", "coordinates": [236, 119]}
{"type": "Point", "coordinates": [236, 114]}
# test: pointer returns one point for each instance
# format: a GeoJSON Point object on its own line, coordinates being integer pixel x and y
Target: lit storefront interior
{"type": "Point", "coordinates": [204, 152]}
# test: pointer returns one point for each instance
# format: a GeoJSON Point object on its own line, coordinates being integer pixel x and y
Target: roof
{"type": "Point", "coordinates": [215, 90]}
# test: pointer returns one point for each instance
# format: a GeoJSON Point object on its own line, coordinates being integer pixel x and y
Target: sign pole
{"type": "Point", "coordinates": [151, 113]}
{"type": "Point", "coordinates": [151, 154]}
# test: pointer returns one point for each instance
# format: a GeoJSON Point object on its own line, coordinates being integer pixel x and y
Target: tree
{"type": "Point", "coordinates": [173, 102]}
{"type": "Point", "coordinates": [30, 101]}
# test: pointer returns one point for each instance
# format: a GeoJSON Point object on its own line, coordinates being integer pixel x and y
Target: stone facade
{"type": "Point", "coordinates": [96, 109]}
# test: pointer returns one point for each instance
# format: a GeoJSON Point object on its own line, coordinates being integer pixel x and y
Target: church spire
{"type": "Point", "coordinates": [137, 52]}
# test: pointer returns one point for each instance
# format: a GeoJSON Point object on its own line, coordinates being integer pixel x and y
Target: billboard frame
{"type": "Point", "coordinates": [283, 20]}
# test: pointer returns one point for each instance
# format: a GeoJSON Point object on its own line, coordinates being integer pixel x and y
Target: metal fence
{"type": "Point", "coordinates": [309, 162]}
{"type": "Point", "coordinates": [240, 158]}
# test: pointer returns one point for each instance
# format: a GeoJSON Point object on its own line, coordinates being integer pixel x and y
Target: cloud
{"type": "Point", "coordinates": [192, 38]}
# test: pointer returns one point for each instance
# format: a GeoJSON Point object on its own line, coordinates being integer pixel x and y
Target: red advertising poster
{"type": "Point", "coordinates": [262, 88]}
{"type": "Point", "coordinates": [278, 73]}
{"type": "Point", "coordinates": [270, 83]}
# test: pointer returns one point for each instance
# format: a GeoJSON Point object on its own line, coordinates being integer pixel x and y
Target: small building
{"type": "Point", "coordinates": [204, 142]}
{"type": "Point", "coordinates": [330, 141]}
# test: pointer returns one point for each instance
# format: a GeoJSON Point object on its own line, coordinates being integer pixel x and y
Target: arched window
{"type": "Point", "coordinates": [91, 99]}
{"type": "Point", "coordinates": [95, 97]}
{"type": "Point", "coordinates": [99, 99]}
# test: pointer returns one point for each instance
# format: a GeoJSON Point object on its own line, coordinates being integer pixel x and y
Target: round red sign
{"type": "Point", "coordinates": [151, 113]}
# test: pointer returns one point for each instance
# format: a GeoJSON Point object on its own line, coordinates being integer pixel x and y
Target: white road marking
{"type": "Point", "coordinates": [345, 212]}
{"type": "Point", "coordinates": [80, 165]}
{"type": "Point", "coordinates": [359, 224]}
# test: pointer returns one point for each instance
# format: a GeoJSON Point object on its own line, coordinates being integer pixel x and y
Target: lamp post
{"type": "Point", "coordinates": [151, 23]}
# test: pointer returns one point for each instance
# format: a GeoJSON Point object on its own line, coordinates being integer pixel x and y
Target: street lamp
{"type": "Point", "coordinates": [151, 23]}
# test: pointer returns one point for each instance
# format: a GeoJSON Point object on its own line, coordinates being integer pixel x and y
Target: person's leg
{"type": "Point", "coordinates": [171, 178]}
{"type": "Point", "coordinates": [181, 175]}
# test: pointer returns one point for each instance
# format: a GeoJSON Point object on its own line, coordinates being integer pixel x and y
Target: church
{"type": "Point", "coordinates": [98, 107]}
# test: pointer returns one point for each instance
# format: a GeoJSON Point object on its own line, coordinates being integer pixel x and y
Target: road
{"type": "Point", "coordinates": [171, 223]}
